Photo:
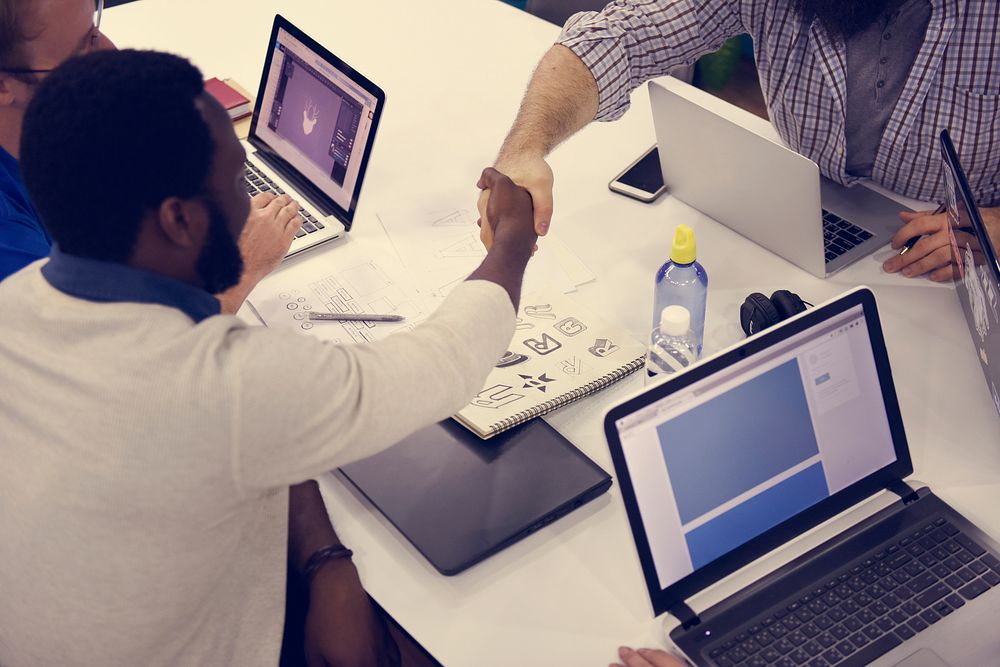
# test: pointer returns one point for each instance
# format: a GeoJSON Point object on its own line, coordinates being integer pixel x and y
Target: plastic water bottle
{"type": "Point", "coordinates": [671, 345]}
{"type": "Point", "coordinates": [682, 281]}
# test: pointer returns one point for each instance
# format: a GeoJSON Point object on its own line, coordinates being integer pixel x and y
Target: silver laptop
{"type": "Point", "coordinates": [312, 132]}
{"type": "Point", "coordinates": [752, 448]}
{"type": "Point", "coordinates": [766, 192]}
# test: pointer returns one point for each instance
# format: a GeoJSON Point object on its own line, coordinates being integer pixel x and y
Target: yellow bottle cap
{"type": "Point", "coordinates": [684, 249]}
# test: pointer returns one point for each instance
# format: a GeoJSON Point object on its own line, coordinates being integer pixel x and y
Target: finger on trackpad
{"type": "Point", "coordinates": [923, 658]}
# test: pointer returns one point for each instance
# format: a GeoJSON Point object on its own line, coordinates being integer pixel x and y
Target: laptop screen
{"type": "Point", "coordinates": [975, 258]}
{"type": "Point", "coordinates": [315, 116]}
{"type": "Point", "coordinates": [743, 449]}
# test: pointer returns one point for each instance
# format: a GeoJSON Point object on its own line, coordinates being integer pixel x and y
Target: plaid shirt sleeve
{"type": "Point", "coordinates": [632, 41]}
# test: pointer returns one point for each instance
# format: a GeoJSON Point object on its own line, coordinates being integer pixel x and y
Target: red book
{"type": "Point", "coordinates": [234, 102]}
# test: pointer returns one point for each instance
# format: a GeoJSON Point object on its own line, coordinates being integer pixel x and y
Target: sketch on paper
{"type": "Point", "coordinates": [465, 247]}
{"type": "Point", "coordinates": [452, 218]}
{"type": "Point", "coordinates": [573, 366]}
{"type": "Point", "coordinates": [570, 326]}
{"type": "Point", "coordinates": [496, 397]}
{"type": "Point", "coordinates": [546, 345]}
{"type": "Point", "coordinates": [602, 347]}
{"type": "Point", "coordinates": [539, 382]}
{"type": "Point", "coordinates": [440, 246]}
{"type": "Point", "coordinates": [363, 282]}
{"type": "Point", "coordinates": [542, 311]}
{"type": "Point", "coordinates": [511, 359]}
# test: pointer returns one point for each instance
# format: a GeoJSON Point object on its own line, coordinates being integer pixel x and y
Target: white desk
{"type": "Point", "coordinates": [454, 72]}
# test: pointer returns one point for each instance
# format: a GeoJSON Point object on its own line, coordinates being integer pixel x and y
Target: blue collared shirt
{"type": "Point", "coordinates": [22, 237]}
{"type": "Point", "coordinates": [109, 282]}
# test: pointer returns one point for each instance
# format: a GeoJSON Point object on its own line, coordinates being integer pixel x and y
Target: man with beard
{"type": "Point", "coordinates": [148, 442]}
{"type": "Point", "coordinates": [861, 87]}
{"type": "Point", "coordinates": [34, 38]}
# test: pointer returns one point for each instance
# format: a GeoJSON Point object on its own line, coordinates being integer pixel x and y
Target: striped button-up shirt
{"type": "Point", "coordinates": [954, 82]}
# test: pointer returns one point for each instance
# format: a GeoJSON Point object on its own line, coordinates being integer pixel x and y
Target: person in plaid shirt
{"type": "Point", "coordinates": [861, 87]}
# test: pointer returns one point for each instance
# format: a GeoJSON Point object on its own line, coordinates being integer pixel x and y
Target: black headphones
{"type": "Point", "coordinates": [758, 312]}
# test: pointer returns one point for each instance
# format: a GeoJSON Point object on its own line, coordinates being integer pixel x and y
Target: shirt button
{"type": "Point", "coordinates": [880, 84]}
{"type": "Point", "coordinates": [887, 35]}
{"type": "Point", "coordinates": [883, 60]}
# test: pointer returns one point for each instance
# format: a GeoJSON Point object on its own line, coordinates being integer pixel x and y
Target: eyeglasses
{"type": "Point", "coordinates": [87, 45]}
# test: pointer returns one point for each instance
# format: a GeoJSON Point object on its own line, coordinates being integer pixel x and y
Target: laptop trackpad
{"type": "Point", "coordinates": [923, 658]}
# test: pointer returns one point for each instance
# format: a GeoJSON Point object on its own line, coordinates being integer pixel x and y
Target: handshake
{"type": "Point", "coordinates": [509, 215]}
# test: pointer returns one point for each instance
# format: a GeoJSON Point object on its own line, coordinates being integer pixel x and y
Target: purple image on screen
{"type": "Point", "coordinates": [309, 116]}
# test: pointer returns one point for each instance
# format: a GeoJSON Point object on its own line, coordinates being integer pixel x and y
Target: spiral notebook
{"type": "Point", "coordinates": [560, 353]}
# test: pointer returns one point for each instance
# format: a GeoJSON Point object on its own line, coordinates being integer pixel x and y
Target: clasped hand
{"type": "Point", "coordinates": [932, 254]}
{"type": "Point", "coordinates": [535, 176]}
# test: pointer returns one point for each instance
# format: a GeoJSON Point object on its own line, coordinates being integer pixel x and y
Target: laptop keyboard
{"type": "Point", "coordinates": [839, 235]}
{"type": "Point", "coordinates": [870, 607]}
{"type": "Point", "coordinates": [257, 181]}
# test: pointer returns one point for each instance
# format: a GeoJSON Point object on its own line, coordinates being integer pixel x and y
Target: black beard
{"type": "Point", "coordinates": [844, 18]}
{"type": "Point", "coordinates": [220, 264]}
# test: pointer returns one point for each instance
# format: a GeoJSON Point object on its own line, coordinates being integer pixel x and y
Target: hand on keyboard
{"type": "Point", "coordinates": [269, 231]}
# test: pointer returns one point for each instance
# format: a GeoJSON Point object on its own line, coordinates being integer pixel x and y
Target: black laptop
{"type": "Point", "coordinates": [458, 498]}
{"type": "Point", "coordinates": [979, 274]}
{"type": "Point", "coordinates": [750, 449]}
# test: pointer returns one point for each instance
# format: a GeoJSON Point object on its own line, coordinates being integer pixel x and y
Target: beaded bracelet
{"type": "Point", "coordinates": [321, 557]}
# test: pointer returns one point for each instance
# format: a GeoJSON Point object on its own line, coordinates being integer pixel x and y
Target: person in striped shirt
{"type": "Point", "coordinates": [861, 87]}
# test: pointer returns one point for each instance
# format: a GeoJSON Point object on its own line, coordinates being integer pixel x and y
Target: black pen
{"type": "Point", "coordinates": [913, 241]}
{"type": "Point", "coordinates": [353, 317]}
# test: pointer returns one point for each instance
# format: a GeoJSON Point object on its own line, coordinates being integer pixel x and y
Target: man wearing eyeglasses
{"type": "Point", "coordinates": [35, 37]}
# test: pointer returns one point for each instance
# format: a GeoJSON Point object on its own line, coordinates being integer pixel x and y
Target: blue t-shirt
{"type": "Point", "coordinates": [22, 237]}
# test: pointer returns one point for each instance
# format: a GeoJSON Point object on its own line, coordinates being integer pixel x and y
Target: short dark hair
{"type": "Point", "coordinates": [12, 36]}
{"type": "Point", "coordinates": [106, 139]}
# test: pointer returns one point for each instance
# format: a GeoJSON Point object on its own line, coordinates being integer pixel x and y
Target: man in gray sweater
{"type": "Point", "coordinates": [149, 443]}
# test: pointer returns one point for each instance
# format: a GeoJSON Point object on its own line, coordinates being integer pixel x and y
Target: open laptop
{"type": "Point", "coordinates": [312, 132]}
{"type": "Point", "coordinates": [765, 191]}
{"type": "Point", "coordinates": [749, 449]}
{"type": "Point", "coordinates": [459, 499]}
{"type": "Point", "coordinates": [974, 255]}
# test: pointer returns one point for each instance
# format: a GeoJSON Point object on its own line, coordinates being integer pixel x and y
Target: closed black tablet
{"type": "Point", "coordinates": [459, 499]}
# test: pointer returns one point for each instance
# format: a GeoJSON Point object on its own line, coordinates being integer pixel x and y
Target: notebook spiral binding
{"type": "Point", "coordinates": [564, 399]}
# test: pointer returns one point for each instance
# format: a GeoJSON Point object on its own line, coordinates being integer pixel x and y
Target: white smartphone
{"type": "Point", "coordinates": [643, 179]}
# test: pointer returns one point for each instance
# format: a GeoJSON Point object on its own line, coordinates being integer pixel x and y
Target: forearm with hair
{"type": "Point", "coordinates": [560, 100]}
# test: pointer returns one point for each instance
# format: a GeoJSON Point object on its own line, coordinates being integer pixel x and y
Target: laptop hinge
{"type": "Point", "coordinates": [684, 614]}
{"type": "Point", "coordinates": [903, 490]}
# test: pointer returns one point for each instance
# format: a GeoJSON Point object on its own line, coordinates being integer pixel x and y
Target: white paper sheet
{"type": "Point", "coordinates": [438, 240]}
{"type": "Point", "coordinates": [353, 277]}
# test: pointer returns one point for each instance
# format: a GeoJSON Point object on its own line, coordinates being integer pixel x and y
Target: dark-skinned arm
{"type": "Point", "coordinates": [509, 216]}
{"type": "Point", "coordinates": [341, 626]}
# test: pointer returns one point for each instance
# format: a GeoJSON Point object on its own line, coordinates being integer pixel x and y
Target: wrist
{"type": "Point", "coordinates": [516, 249]}
{"type": "Point", "coordinates": [516, 151]}
{"type": "Point", "coordinates": [334, 574]}
{"type": "Point", "coordinates": [329, 559]}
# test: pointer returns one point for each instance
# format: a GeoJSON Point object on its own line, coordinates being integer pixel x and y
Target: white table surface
{"type": "Point", "coordinates": [454, 72]}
